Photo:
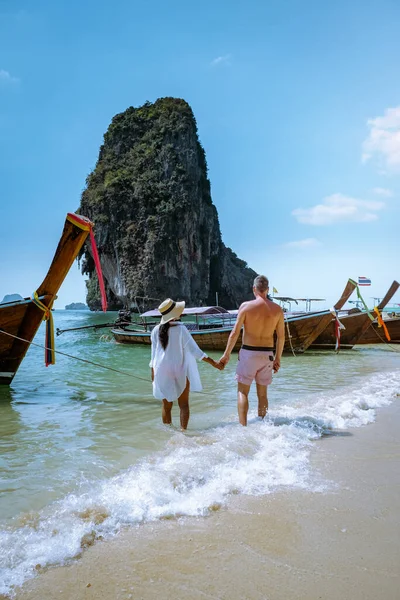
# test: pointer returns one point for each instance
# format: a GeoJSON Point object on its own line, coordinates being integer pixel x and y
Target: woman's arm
{"type": "Point", "coordinates": [153, 353]}
{"type": "Point", "coordinates": [192, 347]}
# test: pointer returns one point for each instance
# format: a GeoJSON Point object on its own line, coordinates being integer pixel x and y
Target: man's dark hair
{"type": "Point", "coordinates": [261, 283]}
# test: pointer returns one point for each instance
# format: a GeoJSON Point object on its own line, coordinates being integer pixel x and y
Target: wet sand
{"type": "Point", "coordinates": [342, 543]}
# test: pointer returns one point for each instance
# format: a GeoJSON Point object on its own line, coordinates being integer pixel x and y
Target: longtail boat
{"type": "Point", "coordinates": [21, 318]}
{"type": "Point", "coordinates": [355, 324]}
{"type": "Point", "coordinates": [376, 335]}
{"type": "Point", "coordinates": [303, 329]}
{"type": "Point", "coordinates": [214, 324]}
{"type": "Point", "coordinates": [210, 330]}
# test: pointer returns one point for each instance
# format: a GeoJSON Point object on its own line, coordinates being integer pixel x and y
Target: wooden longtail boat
{"type": "Point", "coordinates": [210, 331]}
{"type": "Point", "coordinates": [22, 318]}
{"type": "Point", "coordinates": [356, 325]}
{"type": "Point", "coordinates": [301, 329]}
{"type": "Point", "coordinates": [376, 335]}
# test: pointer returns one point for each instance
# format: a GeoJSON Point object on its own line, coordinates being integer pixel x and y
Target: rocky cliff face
{"type": "Point", "coordinates": [156, 226]}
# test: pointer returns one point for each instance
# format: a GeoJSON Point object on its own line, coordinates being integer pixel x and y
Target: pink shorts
{"type": "Point", "coordinates": [255, 364]}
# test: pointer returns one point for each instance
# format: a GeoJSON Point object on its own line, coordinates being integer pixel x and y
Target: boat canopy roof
{"type": "Point", "coordinates": [285, 299]}
{"type": "Point", "coordinates": [195, 310]}
{"type": "Point", "coordinates": [311, 299]}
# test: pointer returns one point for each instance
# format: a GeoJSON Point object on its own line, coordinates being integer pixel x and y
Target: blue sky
{"type": "Point", "coordinates": [297, 105]}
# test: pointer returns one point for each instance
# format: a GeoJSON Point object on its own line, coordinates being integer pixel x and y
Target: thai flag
{"type": "Point", "coordinates": [364, 281]}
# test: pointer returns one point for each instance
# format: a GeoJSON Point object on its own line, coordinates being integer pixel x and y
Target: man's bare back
{"type": "Point", "coordinates": [261, 319]}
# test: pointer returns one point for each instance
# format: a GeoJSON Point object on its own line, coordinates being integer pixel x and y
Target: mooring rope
{"type": "Point", "coordinates": [90, 362]}
{"type": "Point", "coordinates": [290, 337]}
{"type": "Point", "coordinates": [385, 341]}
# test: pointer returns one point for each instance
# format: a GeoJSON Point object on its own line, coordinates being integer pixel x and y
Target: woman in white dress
{"type": "Point", "coordinates": [173, 365]}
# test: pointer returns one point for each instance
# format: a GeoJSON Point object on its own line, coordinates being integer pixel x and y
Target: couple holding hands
{"type": "Point", "coordinates": [174, 353]}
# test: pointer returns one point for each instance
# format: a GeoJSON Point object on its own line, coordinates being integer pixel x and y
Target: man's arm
{"type": "Point", "coordinates": [234, 335]}
{"type": "Point", "coordinates": [280, 342]}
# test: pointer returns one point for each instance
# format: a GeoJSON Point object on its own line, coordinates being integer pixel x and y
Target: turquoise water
{"type": "Point", "coordinates": [79, 440]}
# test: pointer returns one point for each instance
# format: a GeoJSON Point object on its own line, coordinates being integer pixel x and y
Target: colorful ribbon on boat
{"type": "Point", "coordinates": [87, 225]}
{"type": "Point", "coordinates": [49, 352]}
{"type": "Point", "coordinates": [381, 323]}
{"type": "Point", "coordinates": [338, 329]}
{"type": "Point", "coordinates": [362, 300]}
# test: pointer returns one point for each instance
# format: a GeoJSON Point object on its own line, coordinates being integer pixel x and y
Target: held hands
{"type": "Point", "coordinates": [214, 363]}
{"type": "Point", "coordinates": [224, 359]}
{"type": "Point", "coordinates": [218, 365]}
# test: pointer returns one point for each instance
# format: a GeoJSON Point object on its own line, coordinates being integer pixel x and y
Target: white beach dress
{"type": "Point", "coordinates": [174, 364]}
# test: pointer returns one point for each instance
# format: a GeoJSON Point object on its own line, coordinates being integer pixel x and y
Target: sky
{"type": "Point", "coordinates": [297, 105]}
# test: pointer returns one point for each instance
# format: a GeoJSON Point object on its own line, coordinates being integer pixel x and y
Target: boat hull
{"type": "Point", "coordinates": [21, 319]}
{"type": "Point", "coordinates": [215, 339]}
{"type": "Point", "coordinates": [300, 330]}
{"type": "Point", "coordinates": [355, 325]}
{"type": "Point", "coordinates": [376, 335]}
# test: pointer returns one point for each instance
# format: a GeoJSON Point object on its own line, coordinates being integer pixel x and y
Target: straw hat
{"type": "Point", "coordinates": [170, 310]}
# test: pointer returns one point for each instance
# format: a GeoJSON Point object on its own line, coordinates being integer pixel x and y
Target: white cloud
{"type": "Point", "coordinates": [6, 77]}
{"type": "Point", "coordinates": [339, 209]}
{"type": "Point", "coordinates": [221, 60]}
{"type": "Point", "coordinates": [307, 243]}
{"type": "Point", "coordinates": [383, 140]}
{"type": "Point", "coordinates": [383, 192]}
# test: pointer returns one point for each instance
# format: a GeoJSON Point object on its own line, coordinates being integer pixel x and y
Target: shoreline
{"type": "Point", "coordinates": [340, 543]}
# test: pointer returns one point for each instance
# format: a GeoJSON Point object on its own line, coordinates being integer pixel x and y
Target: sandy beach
{"type": "Point", "coordinates": [342, 542]}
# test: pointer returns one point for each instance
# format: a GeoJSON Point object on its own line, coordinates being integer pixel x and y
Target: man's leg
{"type": "Point", "coordinates": [166, 412]}
{"type": "Point", "coordinates": [183, 402]}
{"type": "Point", "coordinates": [243, 402]}
{"type": "Point", "coordinates": [262, 400]}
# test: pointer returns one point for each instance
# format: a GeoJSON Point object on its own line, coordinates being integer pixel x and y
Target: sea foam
{"type": "Point", "coordinates": [194, 474]}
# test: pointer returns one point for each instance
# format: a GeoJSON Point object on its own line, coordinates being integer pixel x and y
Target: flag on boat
{"type": "Point", "coordinates": [275, 291]}
{"type": "Point", "coordinates": [364, 281]}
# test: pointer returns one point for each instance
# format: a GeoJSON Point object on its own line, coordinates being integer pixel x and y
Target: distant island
{"type": "Point", "coordinates": [76, 306]}
{"type": "Point", "coordinates": [11, 298]}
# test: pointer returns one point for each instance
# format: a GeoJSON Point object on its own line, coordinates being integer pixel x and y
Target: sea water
{"type": "Point", "coordinates": [83, 451]}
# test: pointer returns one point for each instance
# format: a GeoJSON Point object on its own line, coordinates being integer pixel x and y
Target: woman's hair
{"type": "Point", "coordinates": [163, 334]}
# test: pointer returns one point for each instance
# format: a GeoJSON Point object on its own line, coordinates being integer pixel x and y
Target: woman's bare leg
{"type": "Point", "coordinates": [166, 412]}
{"type": "Point", "coordinates": [183, 402]}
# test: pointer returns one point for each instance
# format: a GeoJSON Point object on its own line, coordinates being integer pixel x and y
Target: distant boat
{"type": "Point", "coordinates": [11, 298]}
{"type": "Point", "coordinates": [356, 325]}
{"type": "Point", "coordinates": [21, 318]}
{"type": "Point", "coordinates": [214, 324]}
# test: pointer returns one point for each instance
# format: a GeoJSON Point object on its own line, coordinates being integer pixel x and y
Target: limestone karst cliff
{"type": "Point", "coordinates": [156, 226]}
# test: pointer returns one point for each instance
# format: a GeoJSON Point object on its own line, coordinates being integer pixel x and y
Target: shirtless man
{"type": "Point", "coordinates": [260, 319]}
